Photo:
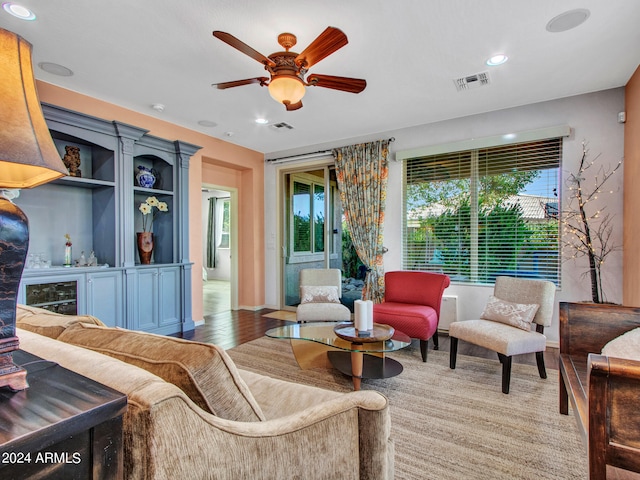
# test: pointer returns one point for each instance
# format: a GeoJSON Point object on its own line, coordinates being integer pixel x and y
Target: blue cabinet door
{"type": "Point", "coordinates": [169, 287]}
{"type": "Point", "coordinates": [146, 299]}
{"type": "Point", "coordinates": [104, 297]}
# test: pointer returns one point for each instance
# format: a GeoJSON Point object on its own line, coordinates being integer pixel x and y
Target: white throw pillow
{"type": "Point", "coordinates": [518, 315]}
{"type": "Point", "coordinates": [319, 294]}
{"type": "Point", "coordinates": [626, 346]}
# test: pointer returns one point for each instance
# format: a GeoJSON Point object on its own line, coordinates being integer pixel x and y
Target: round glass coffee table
{"type": "Point", "coordinates": [359, 357]}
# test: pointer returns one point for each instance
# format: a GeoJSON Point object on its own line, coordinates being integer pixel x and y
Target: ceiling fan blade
{"type": "Point", "coordinates": [243, 47]}
{"type": "Point", "coordinates": [293, 106]}
{"type": "Point", "coordinates": [327, 42]}
{"type": "Point", "coordinates": [238, 83]}
{"type": "Point", "coordinates": [346, 84]}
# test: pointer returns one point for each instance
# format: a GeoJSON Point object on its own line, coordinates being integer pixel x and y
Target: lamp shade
{"type": "Point", "coordinates": [28, 156]}
{"type": "Point", "coordinates": [286, 89]}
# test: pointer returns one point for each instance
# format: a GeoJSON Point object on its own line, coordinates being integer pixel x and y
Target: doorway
{"type": "Point", "coordinates": [312, 230]}
{"type": "Point", "coordinates": [219, 227]}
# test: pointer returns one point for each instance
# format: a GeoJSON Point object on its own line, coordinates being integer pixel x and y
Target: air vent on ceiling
{"type": "Point", "coordinates": [282, 126]}
{"type": "Point", "coordinates": [472, 81]}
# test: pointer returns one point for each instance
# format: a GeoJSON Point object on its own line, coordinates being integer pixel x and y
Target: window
{"type": "Point", "coordinates": [226, 212]}
{"type": "Point", "coordinates": [476, 214]}
{"type": "Point", "coordinates": [308, 217]}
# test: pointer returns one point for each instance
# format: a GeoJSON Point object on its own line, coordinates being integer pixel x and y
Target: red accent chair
{"type": "Point", "coordinates": [412, 305]}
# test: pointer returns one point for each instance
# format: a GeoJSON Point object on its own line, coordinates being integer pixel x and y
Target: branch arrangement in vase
{"type": "Point", "coordinates": [589, 231]}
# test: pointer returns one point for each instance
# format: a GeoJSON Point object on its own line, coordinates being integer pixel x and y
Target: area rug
{"type": "Point", "coordinates": [281, 315]}
{"type": "Point", "coordinates": [454, 424]}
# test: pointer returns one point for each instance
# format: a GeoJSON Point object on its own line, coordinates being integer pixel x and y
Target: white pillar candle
{"type": "Point", "coordinates": [360, 315]}
{"type": "Point", "coordinates": [369, 315]}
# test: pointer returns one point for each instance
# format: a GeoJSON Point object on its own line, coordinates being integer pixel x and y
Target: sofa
{"type": "Point", "coordinates": [600, 377]}
{"type": "Point", "coordinates": [191, 413]}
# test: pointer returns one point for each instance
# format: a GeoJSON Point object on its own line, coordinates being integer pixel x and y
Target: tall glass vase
{"type": "Point", "coordinates": [67, 256]}
{"type": "Point", "coordinates": [145, 247]}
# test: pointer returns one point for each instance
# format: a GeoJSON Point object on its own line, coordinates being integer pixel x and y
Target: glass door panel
{"type": "Point", "coordinates": [301, 213]}
{"type": "Point", "coordinates": [313, 234]}
{"type": "Point", "coordinates": [318, 227]}
{"type": "Point", "coordinates": [305, 228]}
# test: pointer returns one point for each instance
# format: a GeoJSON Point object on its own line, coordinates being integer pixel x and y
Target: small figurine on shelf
{"type": "Point", "coordinates": [67, 250]}
{"type": "Point", "coordinates": [82, 261]}
{"type": "Point", "coordinates": [93, 261]}
{"type": "Point", "coordinates": [71, 160]}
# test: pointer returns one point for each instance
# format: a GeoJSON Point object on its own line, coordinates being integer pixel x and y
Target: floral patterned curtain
{"type": "Point", "coordinates": [362, 172]}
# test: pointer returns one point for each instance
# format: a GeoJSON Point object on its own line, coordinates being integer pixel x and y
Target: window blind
{"type": "Point", "coordinates": [475, 214]}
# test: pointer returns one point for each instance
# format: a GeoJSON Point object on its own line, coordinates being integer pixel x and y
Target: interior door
{"type": "Point", "coordinates": [312, 227]}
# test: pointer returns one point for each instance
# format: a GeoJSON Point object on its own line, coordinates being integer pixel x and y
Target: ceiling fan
{"type": "Point", "coordinates": [287, 69]}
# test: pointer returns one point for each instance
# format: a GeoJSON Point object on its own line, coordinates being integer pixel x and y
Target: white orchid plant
{"type": "Point", "coordinates": [149, 209]}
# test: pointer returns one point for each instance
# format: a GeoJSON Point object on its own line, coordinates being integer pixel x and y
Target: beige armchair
{"type": "Point", "coordinates": [505, 326]}
{"type": "Point", "coordinates": [320, 293]}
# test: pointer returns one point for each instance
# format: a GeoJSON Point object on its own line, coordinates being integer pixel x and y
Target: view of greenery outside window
{"type": "Point", "coordinates": [352, 266]}
{"type": "Point", "coordinates": [308, 217]}
{"type": "Point", "coordinates": [477, 214]}
{"type": "Point", "coordinates": [224, 242]}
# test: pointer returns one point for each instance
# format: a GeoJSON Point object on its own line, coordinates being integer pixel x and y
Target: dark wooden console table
{"type": "Point", "coordinates": [64, 426]}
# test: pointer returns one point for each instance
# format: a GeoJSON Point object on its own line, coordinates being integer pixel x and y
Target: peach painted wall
{"type": "Point", "coordinates": [631, 271]}
{"type": "Point", "coordinates": [218, 162]}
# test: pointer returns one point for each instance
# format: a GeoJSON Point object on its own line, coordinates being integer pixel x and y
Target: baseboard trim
{"type": "Point", "coordinates": [252, 309]}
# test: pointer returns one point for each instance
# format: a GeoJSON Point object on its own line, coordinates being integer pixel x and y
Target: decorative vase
{"type": "Point", "coordinates": [67, 256]}
{"type": "Point", "coordinates": [145, 177]}
{"type": "Point", "coordinates": [145, 247]}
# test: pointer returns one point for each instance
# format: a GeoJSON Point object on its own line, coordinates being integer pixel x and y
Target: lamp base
{"type": "Point", "coordinates": [14, 241]}
{"type": "Point", "coordinates": [12, 376]}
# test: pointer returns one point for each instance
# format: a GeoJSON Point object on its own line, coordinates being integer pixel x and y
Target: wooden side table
{"type": "Point", "coordinates": [64, 426]}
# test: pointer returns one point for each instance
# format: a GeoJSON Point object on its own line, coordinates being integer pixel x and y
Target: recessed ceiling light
{"type": "Point", "coordinates": [55, 69]}
{"type": "Point", "coordinates": [568, 20]}
{"type": "Point", "coordinates": [18, 11]}
{"type": "Point", "coordinates": [207, 123]}
{"type": "Point", "coordinates": [261, 121]}
{"type": "Point", "coordinates": [498, 59]}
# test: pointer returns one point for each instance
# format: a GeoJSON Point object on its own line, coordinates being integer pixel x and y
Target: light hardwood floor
{"type": "Point", "coordinates": [216, 297]}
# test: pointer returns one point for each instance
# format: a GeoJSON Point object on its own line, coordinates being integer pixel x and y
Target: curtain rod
{"type": "Point", "coordinates": [308, 156]}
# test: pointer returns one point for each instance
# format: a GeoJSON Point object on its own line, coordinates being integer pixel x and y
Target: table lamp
{"type": "Point", "coordinates": [28, 158]}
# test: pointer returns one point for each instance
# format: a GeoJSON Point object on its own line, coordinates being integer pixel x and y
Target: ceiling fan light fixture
{"type": "Point", "coordinates": [286, 89]}
{"type": "Point", "coordinates": [287, 69]}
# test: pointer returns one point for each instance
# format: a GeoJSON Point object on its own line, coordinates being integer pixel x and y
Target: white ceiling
{"type": "Point", "coordinates": [138, 53]}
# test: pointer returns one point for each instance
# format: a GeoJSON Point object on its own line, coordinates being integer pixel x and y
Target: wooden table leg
{"type": "Point", "coordinates": [357, 359]}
